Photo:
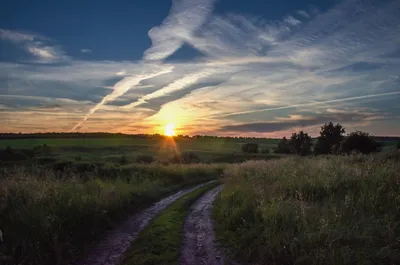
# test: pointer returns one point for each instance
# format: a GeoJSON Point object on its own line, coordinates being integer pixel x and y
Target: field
{"type": "Point", "coordinates": [50, 217]}
{"type": "Point", "coordinates": [132, 149]}
{"type": "Point", "coordinates": [59, 194]}
{"type": "Point", "coordinates": [324, 210]}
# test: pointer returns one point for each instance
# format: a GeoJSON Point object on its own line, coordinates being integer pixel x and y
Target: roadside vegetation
{"type": "Point", "coordinates": [321, 210]}
{"type": "Point", "coordinates": [50, 216]}
{"type": "Point", "coordinates": [160, 242]}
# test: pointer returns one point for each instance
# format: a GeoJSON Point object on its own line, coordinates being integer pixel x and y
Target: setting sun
{"type": "Point", "coordinates": [169, 129]}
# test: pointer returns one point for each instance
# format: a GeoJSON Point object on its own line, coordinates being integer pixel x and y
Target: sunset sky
{"type": "Point", "coordinates": [227, 67]}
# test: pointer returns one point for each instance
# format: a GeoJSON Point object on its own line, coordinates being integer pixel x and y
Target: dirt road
{"type": "Point", "coordinates": [199, 241]}
{"type": "Point", "coordinates": [110, 250]}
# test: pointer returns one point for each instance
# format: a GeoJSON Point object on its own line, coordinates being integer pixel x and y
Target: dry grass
{"type": "Point", "coordinates": [332, 210]}
{"type": "Point", "coordinates": [50, 217]}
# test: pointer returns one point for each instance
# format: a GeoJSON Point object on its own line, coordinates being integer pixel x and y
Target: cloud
{"type": "Point", "coordinates": [173, 87]}
{"type": "Point", "coordinates": [303, 13]}
{"type": "Point", "coordinates": [253, 70]}
{"type": "Point", "coordinates": [86, 50]}
{"type": "Point", "coordinates": [315, 103]}
{"type": "Point", "coordinates": [184, 18]}
{"type": "Point", "coordinates": [15, 36]}
{"type": "Point", "coordinates": [121, 88]}
{"type": "Point", "coordinates": [34, 45]}
{"type": "Point", "coordinates": [300, 122]}
{"type": "Point", "coordinates": [292, 21]}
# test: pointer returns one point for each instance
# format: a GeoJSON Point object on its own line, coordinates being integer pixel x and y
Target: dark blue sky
{"type": "Point", "coordinates": [285, 64]}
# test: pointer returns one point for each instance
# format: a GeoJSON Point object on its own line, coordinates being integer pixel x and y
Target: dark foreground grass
{"type": "Point", "coordinates": [50, 217]}
{"type": "Point", "coordinates": [333, 210]}
{"type": "Point", "coordinates": [160, 242]}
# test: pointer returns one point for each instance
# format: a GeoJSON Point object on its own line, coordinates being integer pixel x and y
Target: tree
{"type": "Point", "coordinates": [330, 138]}
{"type": "Point", "coordinates": [283, 147]}
{"type": "Point", "coordinates": [250, 148]}
{"type": "Point", "coordinates": [301, 143]}
{"type": "Point", "coordinates": [360, 142]}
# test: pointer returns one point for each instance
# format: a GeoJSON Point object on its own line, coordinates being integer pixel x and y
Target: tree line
{"type": "Point", "coordinates": [332, 140]}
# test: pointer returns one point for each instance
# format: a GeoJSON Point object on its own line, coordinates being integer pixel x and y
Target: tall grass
{"type": "Point", "coordinates": [52, 217]}
{"type": "Point", "coordinates": [325, 210]}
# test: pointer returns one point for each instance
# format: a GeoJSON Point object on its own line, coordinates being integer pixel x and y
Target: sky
{"type": "Point", "coordinates": [217, 67]}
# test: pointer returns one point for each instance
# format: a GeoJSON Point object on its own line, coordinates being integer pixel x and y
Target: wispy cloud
{"type": "Point", "coordinates": [303, 13]}
{"type": "Point", "coordinates": [274, 74]}
{"type": "Point", "coordinates": [34, 45]}
{"type": "Point", "coordinates": [292, 21]}
{"type": "Point", "coordinates": [121, 88]}
{"type": "Point", "coordinates": [86, 50]}
{"type": "Point", "coordinates": [184, 18]}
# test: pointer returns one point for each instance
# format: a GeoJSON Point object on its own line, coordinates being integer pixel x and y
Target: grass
{"type": "Point", "coordinates": [160, 242]}
{"type": "Point", "coordinates": [163, 149]}
{"type": "Point", "coordinates": [52, 217]}
{"type": "Point", "coordinates": [324, 210]}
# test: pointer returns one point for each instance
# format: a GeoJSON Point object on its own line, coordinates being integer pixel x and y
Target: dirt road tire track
{"type": "Point", "coordinates": [199, 240]}
{"type": "Point", "coordinates": [110, 250]}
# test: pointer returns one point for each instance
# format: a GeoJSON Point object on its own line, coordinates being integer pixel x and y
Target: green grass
{"type": "Point", "coordinates": [52, 217]}
{"type": "Point", "coordinates": [110, 150]}
{"type": "Point", "coordinates": [160, 242]}
{"type": "Point", "coordinates": [324, 210]}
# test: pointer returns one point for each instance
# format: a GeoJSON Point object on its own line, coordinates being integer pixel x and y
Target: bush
{"type": "Point", "coordinates": [9, 154]}
{"type": "Point", "coordinates": [190, 157]}
{"type": "Point", "coordinates": [185, 158]}
{"type": "Point", "coordinates": [330, 138]}
{"type": "Point", "coordinates": [145, 159]}
{"type": "Point", "coordinates": [250, 148]}
{"type": "Point", "coordinates": [360, 142]}
{"type": "Point", "coordinates": [283, 147]}
{"type": "Point", "coordinates": [123, 160]}
{"type": "Point", "coordinates": [301, 143]}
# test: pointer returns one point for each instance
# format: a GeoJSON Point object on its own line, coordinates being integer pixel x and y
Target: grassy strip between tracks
{"type": "Point", "coordinates": [160, 242]}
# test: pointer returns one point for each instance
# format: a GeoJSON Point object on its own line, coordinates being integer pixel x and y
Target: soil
{"type": "Point", "coordinates": [199, 245]}
{"type": "Point", "coordinates": [111, 249]}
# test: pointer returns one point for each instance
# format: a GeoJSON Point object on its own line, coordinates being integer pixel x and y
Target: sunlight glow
{"type": "Point", "coordinates": [169, 129]}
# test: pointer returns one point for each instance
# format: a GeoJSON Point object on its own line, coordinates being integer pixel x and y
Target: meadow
{"type": "Point", "coordinates": [52, 217]}
{"type": "Point", "coordinates": [319, 210]}
{"type": "Point", "coordinates": [59, 193]}
{"type": "Point", "coordinates": [92, 148]}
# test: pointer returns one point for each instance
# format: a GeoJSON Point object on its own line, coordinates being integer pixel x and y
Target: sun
{"type": "Point", "coordinates": [169, 129]}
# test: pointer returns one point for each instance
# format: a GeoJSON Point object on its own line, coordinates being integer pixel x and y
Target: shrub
{"type": "Point", "coordinates": [185, 158]}
{"type": "Point", "coordinates": [9, 154]}
{"type": "Point", "coordinates": [283, 147]}
{"type": "Point", "coordinates": [190, 157]}
{"type": "Point", "coordinates": [301, 143]}
{"type": "Point", "coordinates": [123, 160]}
{"type": "Point", "coordinates": [250, 148]}
{"type": "Point", "coordinates": [330, 138]}
{"type": "Point", "coordinates": [145, 159]}
{"type": "Point", "coordinates": [360, 142]}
